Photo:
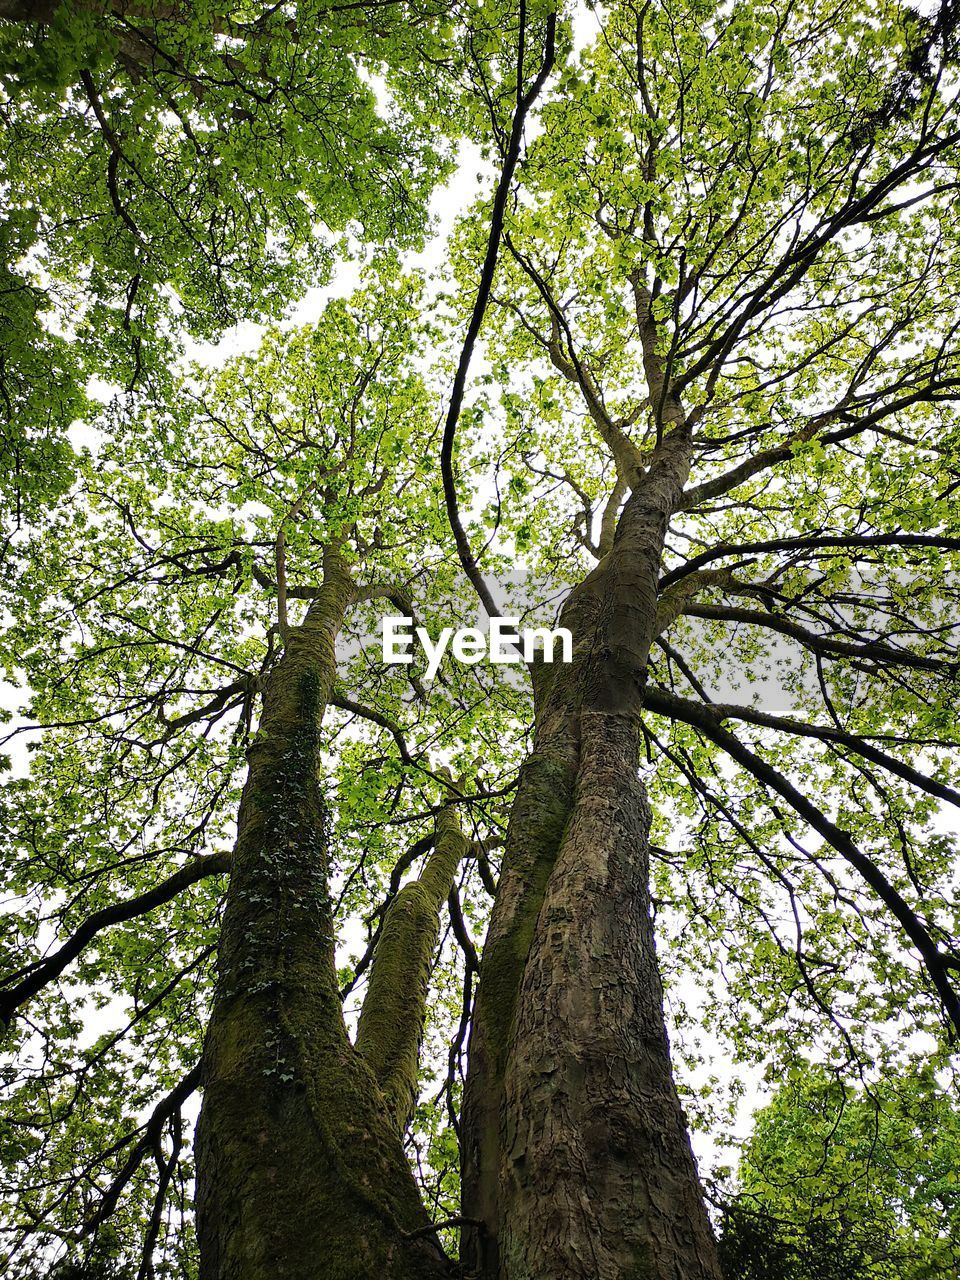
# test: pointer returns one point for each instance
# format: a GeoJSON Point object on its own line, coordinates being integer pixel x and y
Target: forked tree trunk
{"type": "Point", "coordinates": [300, 1168]}
{"type": "Point", "coordinates": [576, 1155]}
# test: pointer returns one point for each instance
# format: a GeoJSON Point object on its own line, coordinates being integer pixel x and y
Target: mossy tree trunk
{"type": "Point", "coordinates": [300, 1169]}
{"type": "Point", "coordinates": [391, 1023]}
{"type": "Point", "coordinates": [576, 1156]}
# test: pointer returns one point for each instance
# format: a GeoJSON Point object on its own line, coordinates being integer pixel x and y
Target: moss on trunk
{"type": "Point", "coordinates": [392, 1018]}
{"type": "Point", "coordinates": [300, 1170]}
{"type": "Point", "coordinates": [575, 1153]}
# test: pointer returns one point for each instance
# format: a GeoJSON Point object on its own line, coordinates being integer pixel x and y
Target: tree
{"type": "Point", "coordinates": [707, 213]}
{"type": "Point", "coordinates": [169, 584]}
{"type": "Point", "coordinates": [863, 1177]}
{"type": "Point", "coordinates": [721, 367]}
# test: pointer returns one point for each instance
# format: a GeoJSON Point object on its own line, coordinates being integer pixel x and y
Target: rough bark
{"type": "Point", "coordinates": [576, 1156]}
{"type": "Point", "coordinates": [300, 1171]}
{"type": "Point", "coordinates": [597, 1176]}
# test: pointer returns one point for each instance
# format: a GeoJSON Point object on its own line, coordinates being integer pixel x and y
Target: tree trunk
{"type": "Point", "coordinates": [391, 1024]}
{"type": "Point", "coordinates": [301, 1173]}
{"type": "Point", "coordinates": [575, 1150]}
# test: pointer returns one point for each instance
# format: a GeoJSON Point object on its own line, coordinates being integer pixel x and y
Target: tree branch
{"type": "Point", "coordinates": [708, 722]}
{"type": "Point", "coordinates": [871, 651]}
{"type": "Point", "coordinates": [19, 987]}
{"type": "Point", "coordinates": [394, 1009]}
{"type": "Point", "coordinates": [524, 102]}
{"type": "Point", "coordinates": [149, 1136]}
{"type": "Point", "coordinates": [813, 542]}
{"type": "Point", "coordinates": [830, 733]}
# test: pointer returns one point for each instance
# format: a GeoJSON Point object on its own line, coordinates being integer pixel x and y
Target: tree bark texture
{"type": "Point", "coordinates": [300, 1169]}
{"type": "Point", "coordinates": [576, 1157]}
{"type": "Point", "coordinates": [392, 1019]}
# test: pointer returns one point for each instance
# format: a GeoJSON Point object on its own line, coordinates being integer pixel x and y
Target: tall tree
{"type": "Point", "coordinates": [735, 263]}
{"type": "Point", "coordinates": [718, 409]}
{"type": "Point", "coordinates": [151, 628]}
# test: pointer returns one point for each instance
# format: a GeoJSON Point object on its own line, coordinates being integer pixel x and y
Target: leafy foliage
{"type": "Point", "coordinates": [738, 219]}
{"type": "Point", "coordinates": [176, 168]}
{"type": "Point", "coordinates": [848, 1182]}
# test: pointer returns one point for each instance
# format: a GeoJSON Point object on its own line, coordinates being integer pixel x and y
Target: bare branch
{"type": "Point", "coordinates": [524, 102]}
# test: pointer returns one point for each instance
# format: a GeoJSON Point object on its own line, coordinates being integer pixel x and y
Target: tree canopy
{"type": "Point", "coordinates": [174, 169]}
{"type": "Point", "coordinates": [860, 1180]}
{"type": "Point", "coordinates": [710, 425]}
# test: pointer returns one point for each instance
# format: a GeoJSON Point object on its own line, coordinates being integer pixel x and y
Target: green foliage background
{"type": "Point", "coordinates": [762, 182]}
